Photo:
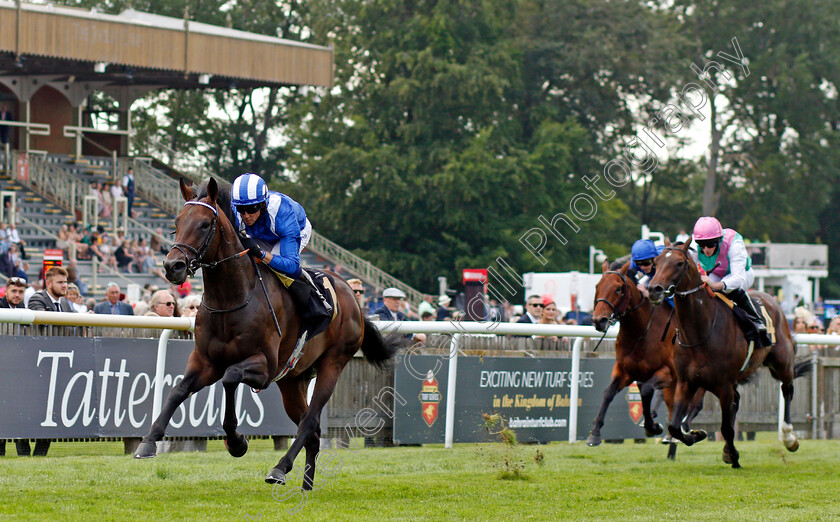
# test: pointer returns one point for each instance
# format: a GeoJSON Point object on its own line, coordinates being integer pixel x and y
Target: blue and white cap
{"type": "Point", "coordinates": [248, 189]}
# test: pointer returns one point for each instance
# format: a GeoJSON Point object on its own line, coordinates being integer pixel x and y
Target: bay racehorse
{"type": "Point", "coordinates": [238, 341]}
{"type": "Point", "coordinates": [643, 348]}
{"type": "Point", "coordinates": [711, 351]}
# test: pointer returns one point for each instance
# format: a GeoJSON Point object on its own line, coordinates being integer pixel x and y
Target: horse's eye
{"type": "Point", "coordinates": [680, 264]}
{"type": "Point", "coordinates": [205, 226]}
{"type": "Point", "coordinates": [617, 291]}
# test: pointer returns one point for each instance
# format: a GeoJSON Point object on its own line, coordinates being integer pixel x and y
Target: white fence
{"type": "Point", "coordinates": [456, 329]}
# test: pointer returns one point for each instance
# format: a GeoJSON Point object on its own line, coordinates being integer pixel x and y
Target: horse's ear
{"type": "Point", "coordinates": [212, 189]}
{"type": "Point", "coordinates": [605, 266]}
{"type": "Point", "coordinates": [186, 191]}
{"type": "Point", "coordinates": [668, 241]}
{"type": "Point", "coordinates": [684, 247]}
{"type": "Point", "coordinates": [625, 268]}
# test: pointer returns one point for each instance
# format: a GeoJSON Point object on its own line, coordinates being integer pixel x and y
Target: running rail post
{"type": "Point", "coordinates": [450, 389]}
{"type": "Point", "coordinates": [573, 396]}
{"type": "Point", "coordinates": [815, 425]}
{"type": "Point", "coordinates": [160, 371]}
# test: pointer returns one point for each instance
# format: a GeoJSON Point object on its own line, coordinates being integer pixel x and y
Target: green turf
{"type": "Point", "coordinates": [610, 482]}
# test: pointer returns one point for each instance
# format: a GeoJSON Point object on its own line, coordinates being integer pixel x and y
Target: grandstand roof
{"type": "Point", "coordinates": [146, 49]}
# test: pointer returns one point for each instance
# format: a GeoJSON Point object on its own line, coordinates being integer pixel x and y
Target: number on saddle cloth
{"type": "Point", "coordinates": [744, 320]}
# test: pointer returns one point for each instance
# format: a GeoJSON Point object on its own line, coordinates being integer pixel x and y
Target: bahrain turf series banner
{"type": "Point", "coordinates": [68, 387]}
{"type": "Point", "coordinates": [533, 395]}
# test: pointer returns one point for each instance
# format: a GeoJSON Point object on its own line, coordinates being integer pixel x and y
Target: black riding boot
{"type": "Point", "coordinates": [742, 299]}
{"type": "Point", "coordinates": [316, 313]}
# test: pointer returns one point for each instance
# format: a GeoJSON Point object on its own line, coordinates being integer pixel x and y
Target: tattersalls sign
{"type": "Point", "coordinates": [67, 387]}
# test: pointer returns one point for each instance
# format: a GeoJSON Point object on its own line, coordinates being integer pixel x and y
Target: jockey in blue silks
{"type": "Point", "coordinates": [641, 260]}
{"type": "Point", "coordinates": [281, 222]}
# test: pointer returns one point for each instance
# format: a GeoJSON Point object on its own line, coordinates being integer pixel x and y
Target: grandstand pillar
{"type": "Point", "coordinates": [126, 95]}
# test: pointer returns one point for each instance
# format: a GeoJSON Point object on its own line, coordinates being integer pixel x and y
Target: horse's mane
{"type": "Point", "coordinates": [223, 199]}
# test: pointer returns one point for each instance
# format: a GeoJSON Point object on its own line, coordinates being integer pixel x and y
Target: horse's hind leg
{"type": "Point", "coordinates": [729, 399]}
{"type": "Point", "coordinates": [252, 372]}
{"type": "Point", "coordinates": [197, 375]}
{"type": "Point", "coordinates": [618, 382]}
{"type": "Point", "coordinates": [309, 428]}
{"type": "Point", "coordinates": [647, 390]}
{"type": "Point", "coordinates": [788, 437]}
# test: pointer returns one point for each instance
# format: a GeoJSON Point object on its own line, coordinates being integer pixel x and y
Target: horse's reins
{"type": "Point", "coordinates": [616, 315]}
{"type": "Point", "coordinates": [672, 290]}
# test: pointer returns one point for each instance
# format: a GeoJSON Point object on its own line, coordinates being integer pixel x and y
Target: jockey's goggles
{"type": "Point", "coordinates": [644, 262]}
{"type": "Point", "coordinates": [707, 243]}
{"type": "Point", "coordinates": [249, 209]}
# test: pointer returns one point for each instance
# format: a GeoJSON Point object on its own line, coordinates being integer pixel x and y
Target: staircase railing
{"type": "Point", "coordinates": [367, 271]}
{"type": "Point", "coordinates": [52, 181]}
{"type": "Point", "coordinates": [157, 187]}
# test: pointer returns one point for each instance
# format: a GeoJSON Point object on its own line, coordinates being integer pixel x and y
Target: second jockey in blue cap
{"type": "Point", "coordinates": [641, 260]}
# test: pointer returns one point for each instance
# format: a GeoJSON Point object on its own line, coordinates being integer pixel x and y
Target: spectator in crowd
{"type": "Point", "coordinates": [162, 304]}
{"type": "Point", "coordinates": [73, 277]}
{"type": "Point", "coordinates": [427, 316]}
{"type": "Point", "coordinates": [358, 291]}
{"type": "Point", "coordinates": [5, 115]}
{"type": "Point", "coordinates": [63, 241]}
{"type": "Point", "coordinates": [426, 305]}
{"type": "Point", "coordinates": [800, 325]}
{"type": "Point", "coordinates": [496, 311]}
{"type": "Point", "coordinates": [112, 304]}
{"type": "Point", "coordinates": [14, 238]}
{"type": "Point", "coordinates": [129, 188]}
{"type": "Point", "coordinates": [533, 310]}
{"type": "Point", "coordinates": [391, 310]}
{"type": "Point", "coordinates": [443, 311]}
{"type": "Point", "coordinates": [189, 305]}
{"type": "Point", "coordinates": [53, 297]}
{"type": "Point", "coordinates": [106, 199]}
{"type": "Point", "coordinates": [124, 258]}
{"type": "Point", "coordinates": [15, 289]}
{"type": "Point", "coordinates": [90, 304]}
{"type": "Point", "coordinates": [549, 310]}
{"type": "Point", "coordinates": [76, 299]}
{"type": "Point", "coordinates": [157, 244]}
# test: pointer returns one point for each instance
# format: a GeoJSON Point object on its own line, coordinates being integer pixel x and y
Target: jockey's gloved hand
{"type": "Point", "coordinates": [254, 248]}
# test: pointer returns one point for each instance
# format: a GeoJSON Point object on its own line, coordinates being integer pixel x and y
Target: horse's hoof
{"type": "Point", "coordinates": [593, 440]}
{"type": "Point", "coordinates": [793, 447]}
{"type": "Point", "coordinates": [653, 432]}
{"type": "Point", "coordinates": [735, 465]}
{"type": "Point", "coordinates": [145, 450]}
{"type": "Point", "coordinates": [727, 459]}
{"type": "Point", "coordinates": [698, 435]}
{"type": "Point", "coordinates": [238, 449]}
{"type": "Point", "coordinates": [668, 439]}
{"type": "Point", "coordinates": [275, 476]}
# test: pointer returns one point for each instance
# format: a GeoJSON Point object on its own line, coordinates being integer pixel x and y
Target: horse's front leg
{"type": "Point", "coordinates": [197, 375]}
{"type": "Point", "coordinates": [618, 382]}
{"type": "Point", "coordinates": [252, 372]}
{"type": "Point", "coordinates": [647, 391]}
{"type": "Point", "coordinates": [684, 392]}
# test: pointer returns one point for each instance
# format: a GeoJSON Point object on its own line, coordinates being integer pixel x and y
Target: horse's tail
{"type": "Point", "coordinates": [378, 350]}
{"type": "Point", "coordinates": [802, 367]}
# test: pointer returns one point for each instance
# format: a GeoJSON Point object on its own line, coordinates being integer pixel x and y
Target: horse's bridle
{"type": "Point", "coordinates": [196, 262]}
{"type": "Point", "coordinates": [672, 290]}
{"type": "Point", "coordinates": [623, 303]}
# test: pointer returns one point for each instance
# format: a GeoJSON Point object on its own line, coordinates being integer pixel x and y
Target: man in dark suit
{"type": "Point", "coordinates": [15, 288]}
{"type": "Point", "coordinates": [51, 299]}
{"type": "Point", "coordinates": [391, 310]}
{"type": "Point", "coordinates": [533, 310]}
{"type": "Point", "coordinates": [112, 304]}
